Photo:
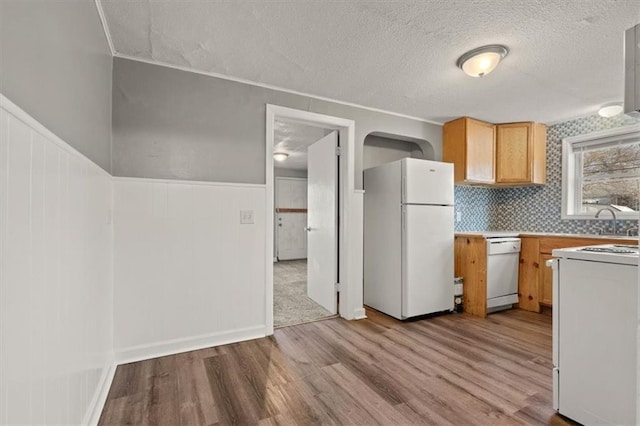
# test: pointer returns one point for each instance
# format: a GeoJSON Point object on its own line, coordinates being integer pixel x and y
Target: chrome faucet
{"type": "Point", "coordinates": [615, 220]}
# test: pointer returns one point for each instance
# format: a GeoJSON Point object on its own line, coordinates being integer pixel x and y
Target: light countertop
{"type": "Point", "coordinates": [493, 234]}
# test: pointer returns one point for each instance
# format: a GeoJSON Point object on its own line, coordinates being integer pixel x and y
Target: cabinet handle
{"type": "Point", "coordinates": [536, 265]}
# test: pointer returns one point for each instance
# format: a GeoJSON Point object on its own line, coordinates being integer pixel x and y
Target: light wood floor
{"type": "Point", "coordinates": [451, 369]}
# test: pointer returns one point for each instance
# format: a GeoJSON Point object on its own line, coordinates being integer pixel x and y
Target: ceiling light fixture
{"type": "Point", "coordinates": [280, 156]}
{"type": "Point", "coordinates": [481, 61]}
{"type": "Point", "coordinates": [610, 110]}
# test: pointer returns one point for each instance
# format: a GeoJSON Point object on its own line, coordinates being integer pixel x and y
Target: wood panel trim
{"type": "Point", "coordinates": [528, 294]}
{"type": "Point", "coordinates": [287, 210]}
{"type": "Point", "coordinates": [471, 265]}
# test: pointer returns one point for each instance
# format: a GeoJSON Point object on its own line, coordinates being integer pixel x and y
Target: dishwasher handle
{"type": "Point", "coordinates": [502, 246]}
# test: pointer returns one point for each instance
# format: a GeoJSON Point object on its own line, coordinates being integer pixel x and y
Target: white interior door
{"type": "Point", "coordinates": [291, 218]}
{"type": "Point", "coordinates": [322, 238]}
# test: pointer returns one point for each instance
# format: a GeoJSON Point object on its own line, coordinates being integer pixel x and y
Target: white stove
{"type": "Point", "coordinates": [609, 253]}
{"type": "Point", "coordinates": [595, 323]}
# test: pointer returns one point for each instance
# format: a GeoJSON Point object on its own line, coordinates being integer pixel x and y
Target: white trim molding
{"type": "Point", "coordinates": [187, 344]}
{"type": "Point", "coordinates": [92, 416]}
{"type": "Point", "coordinates": [188, 182]}
{"type": "Point", "coordinates": [105, 27]}
{"type": "Point", "coordinates": [350, 234]}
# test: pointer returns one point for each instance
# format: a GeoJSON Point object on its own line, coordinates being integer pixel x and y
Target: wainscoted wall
{"type": "Point", "coordinates": [187, 274]}
{"type": "Point", "coordinates": [535, 209]}
{"type": "Point", "coordinates": [56, 323]}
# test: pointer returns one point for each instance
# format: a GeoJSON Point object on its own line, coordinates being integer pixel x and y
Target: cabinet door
{"type": "Point", "coordinates": [546, 281]}
{"type": "Point", "coordinates": [514, 153]}
{"type": "Point", "coordinates": [480, 152]}
{"type": "Point", "coordinates": [528, 275]}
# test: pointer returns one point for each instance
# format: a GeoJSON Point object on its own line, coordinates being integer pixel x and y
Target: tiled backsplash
{"type": "Point", "coordinates": [534, 209]}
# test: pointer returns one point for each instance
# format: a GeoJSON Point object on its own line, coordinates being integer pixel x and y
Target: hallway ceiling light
{"type": "Point", "coordinates": [481, 61]}
{"type": "Point", "coordinates": [280, 156]}
{"type": "Point", "coordinates": [610, 110]}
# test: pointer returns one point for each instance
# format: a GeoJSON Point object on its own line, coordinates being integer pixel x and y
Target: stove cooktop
{"type": "Point", "coordinates": [618, 249]}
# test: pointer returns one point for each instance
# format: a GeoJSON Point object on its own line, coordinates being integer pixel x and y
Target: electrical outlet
{"type": "Point", "coordinates": [458, 216]}
{"type": "Point", "coordinates": [246, 217]}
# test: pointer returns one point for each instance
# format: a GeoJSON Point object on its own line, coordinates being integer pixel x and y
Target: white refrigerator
{"type": "Point", "coordinates": [408, 237]}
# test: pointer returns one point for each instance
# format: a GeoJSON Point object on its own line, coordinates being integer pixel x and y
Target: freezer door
{"type": "Point", "coordinates": [427, 257]}
{"type": "Point", "coordinates": [427, 182]}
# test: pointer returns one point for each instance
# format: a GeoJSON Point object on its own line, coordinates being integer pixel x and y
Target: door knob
{"type": "Point", "coordinates": [307, 228]}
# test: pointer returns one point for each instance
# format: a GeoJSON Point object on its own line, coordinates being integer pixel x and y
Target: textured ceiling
{"type": "Point", "coordinates": [566, 55]}
{"type": "Point", "coordinates": [294, 139]}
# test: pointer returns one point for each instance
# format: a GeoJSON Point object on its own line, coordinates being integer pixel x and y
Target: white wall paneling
{"type": "Point", "coordinates": [188, 274]}
{"type": "Point", "coordinates": [55, 277]}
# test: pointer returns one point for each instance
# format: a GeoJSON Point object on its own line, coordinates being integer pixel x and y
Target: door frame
{"type": "Point", "coordinates": [276, 246]}
{"type": "Point", "coordinates": [350, 210]}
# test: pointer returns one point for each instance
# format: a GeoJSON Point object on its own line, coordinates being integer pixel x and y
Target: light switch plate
{"type": "Point", "coordinates": [458, 216]}
{"type": "Point", "coordinates": [246, 217]}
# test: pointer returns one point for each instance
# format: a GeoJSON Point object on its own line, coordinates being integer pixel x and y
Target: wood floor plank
{"type": "Point", "coordinates": [444, 370]}
{"type": "Point", "coordinates": [194, 394]}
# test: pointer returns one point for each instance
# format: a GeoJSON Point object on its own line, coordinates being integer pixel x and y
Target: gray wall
{"type": "Point", "coordinates": [379, 150]}
{"type": "Point", "coordinates": [174, 124]}
{"type": "Point", "coordinates": [55, 64]}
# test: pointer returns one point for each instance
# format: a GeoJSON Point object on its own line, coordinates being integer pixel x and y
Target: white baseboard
{"type": "Point", "coordinates": [176, 346]}
{"type": "Point", "coordinates": [92, 416]}
{"type": "Point", "coordinates": [359, 313]}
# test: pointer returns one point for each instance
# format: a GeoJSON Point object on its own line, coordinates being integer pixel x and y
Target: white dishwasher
{"type": "Point", "coordinates": [503, 260]}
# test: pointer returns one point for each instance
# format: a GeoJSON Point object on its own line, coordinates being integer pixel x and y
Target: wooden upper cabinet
{"type": "Point", "coordinates": [521, 153]}
{"type": "Point", "coordinates": [470, 145]}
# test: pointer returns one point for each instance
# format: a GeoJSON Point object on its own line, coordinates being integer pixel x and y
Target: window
{"type": "Point", "coordinates": [599, 170]}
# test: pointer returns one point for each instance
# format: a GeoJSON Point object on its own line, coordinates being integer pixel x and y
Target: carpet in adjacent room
{"type": "Point", "coordinates": [290, 302]}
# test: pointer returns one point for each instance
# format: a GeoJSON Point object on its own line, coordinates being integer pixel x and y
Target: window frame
{"type": "Point", "coordinates": [571, 180]}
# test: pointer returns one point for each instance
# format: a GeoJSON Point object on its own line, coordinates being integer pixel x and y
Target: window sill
{"type": "Point", "coordinates": [619, 216]}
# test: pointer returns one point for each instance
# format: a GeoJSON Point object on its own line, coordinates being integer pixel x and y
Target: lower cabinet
{"type": "Point", "coordinates": [535, 279]}
{"type": "Point", "coordinates": [528, 274]}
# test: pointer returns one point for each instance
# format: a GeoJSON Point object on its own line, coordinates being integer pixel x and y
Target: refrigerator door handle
{"type": "Point", "coordinates": [556, 389]}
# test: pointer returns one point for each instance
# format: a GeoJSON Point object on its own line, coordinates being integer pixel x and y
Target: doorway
{"type": "Point", "coordinates": [347, 216]}
{"type": "Point", "coordinates": [306, 210]}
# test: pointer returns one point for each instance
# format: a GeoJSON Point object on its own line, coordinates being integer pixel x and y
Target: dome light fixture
{"type": "Point", "coordinates": [481, 61]}
{"type": "Point", "coordinates": [610, 110]}
{"type": "Point", "coordinates": [280, 156]}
